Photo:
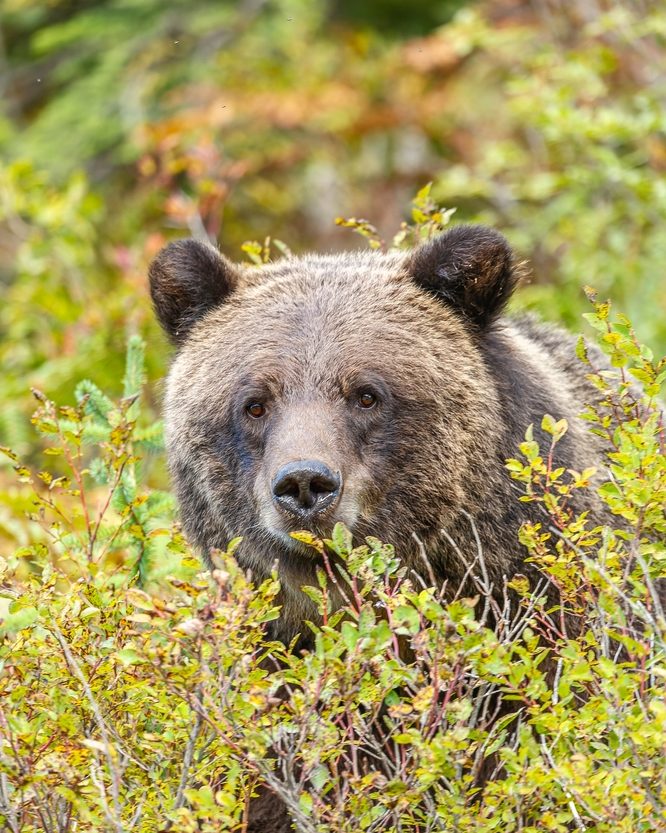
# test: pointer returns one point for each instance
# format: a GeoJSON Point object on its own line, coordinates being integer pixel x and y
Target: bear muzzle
{"type": "Point", "coordinates": [306, 489]}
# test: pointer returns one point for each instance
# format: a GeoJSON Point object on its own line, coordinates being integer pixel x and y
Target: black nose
{"type": "Point", "coordinates": [306, 488]}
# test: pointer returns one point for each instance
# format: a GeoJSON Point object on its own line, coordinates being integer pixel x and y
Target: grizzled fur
{"type": "Point", "coordinates": [454, 386]}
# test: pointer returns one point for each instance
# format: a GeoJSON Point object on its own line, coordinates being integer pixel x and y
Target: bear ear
{"type": "Point", "coordinates": [187, 279]}
{"type": "Point", "coordinates": [472, 269]}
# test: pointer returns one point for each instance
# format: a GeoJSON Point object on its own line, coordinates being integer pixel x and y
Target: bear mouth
{"type": "Point", "coordinates": [280, 530]}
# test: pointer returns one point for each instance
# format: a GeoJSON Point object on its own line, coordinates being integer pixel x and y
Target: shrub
{"type": "Point", "coordinates": [138, 694]}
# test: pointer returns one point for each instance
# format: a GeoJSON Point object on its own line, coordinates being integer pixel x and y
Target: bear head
{"type": "Point", "coordinates": [324, 388]}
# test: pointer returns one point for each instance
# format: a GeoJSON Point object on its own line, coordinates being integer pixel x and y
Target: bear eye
{"type": "Point", "coordinates": [256, 410]}
{"type": "Point", "coordinates": [366, 400]}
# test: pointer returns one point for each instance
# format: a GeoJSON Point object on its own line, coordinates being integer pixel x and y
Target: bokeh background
{"type": "Point", "coordinates": [125, 123]}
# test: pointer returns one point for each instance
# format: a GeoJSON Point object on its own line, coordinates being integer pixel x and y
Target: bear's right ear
{"type": "Point", "coordinates": [187, 279]}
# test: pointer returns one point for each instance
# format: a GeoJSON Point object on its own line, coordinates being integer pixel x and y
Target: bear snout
{"type": "Point", "coordinates": [305, 489]}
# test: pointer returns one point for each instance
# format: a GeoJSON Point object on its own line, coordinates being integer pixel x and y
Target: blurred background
{"type": "Point", "coordinates": [125, 123]}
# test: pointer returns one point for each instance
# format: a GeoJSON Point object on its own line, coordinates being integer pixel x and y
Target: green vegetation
{"type": "Point", "coordinates": [140, 694]}
{"type": "Point", "coordinates": [137, 694]}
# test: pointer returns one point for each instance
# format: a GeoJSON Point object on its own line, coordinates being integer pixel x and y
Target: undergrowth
{"type": "Point", "coordinates": [138, 693]}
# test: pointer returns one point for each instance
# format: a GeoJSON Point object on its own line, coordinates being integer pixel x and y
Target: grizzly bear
{"type": "Point", "coordinates": [385, 391]}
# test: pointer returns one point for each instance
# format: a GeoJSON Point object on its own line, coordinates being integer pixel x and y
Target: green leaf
{"type": "Point", "coordinates": [129, 656]}
{"type": "Point", "coordinates": [97, 404]}
{"type": "Point", "coordinates": [341, 542]}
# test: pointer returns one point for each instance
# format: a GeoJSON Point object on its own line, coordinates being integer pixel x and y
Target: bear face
{"type": "Point", "coordinates": [373, 389]}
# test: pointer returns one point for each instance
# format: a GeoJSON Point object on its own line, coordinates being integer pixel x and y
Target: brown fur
{"type": "Point", "coordinates": [457, 386]}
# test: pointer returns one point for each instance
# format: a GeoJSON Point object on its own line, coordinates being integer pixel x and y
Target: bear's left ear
{"type": "Point", "coordinates": [472, 269]}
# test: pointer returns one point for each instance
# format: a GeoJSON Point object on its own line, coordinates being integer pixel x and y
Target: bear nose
{"type": "Point", "coordinates": [306, 488]}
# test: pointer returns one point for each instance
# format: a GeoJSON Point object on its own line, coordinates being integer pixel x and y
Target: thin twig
{"type": "Point", "coordinates": [101, 725]}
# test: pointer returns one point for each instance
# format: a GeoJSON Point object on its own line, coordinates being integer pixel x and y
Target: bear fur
{"type": "Point", "coordinates": [396, 374]}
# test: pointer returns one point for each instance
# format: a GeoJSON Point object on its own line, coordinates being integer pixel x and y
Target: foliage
{"type": "Point", "coordinates": [138, 694]}
{"type": "Point", "coordinates": [65, 312]}
{"type": "Point", "coordinates": [94, 510]}
{"type": "Point", "coordinates": [575, 164]}
{"type": "Point", "coordinates": [428, 220]}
